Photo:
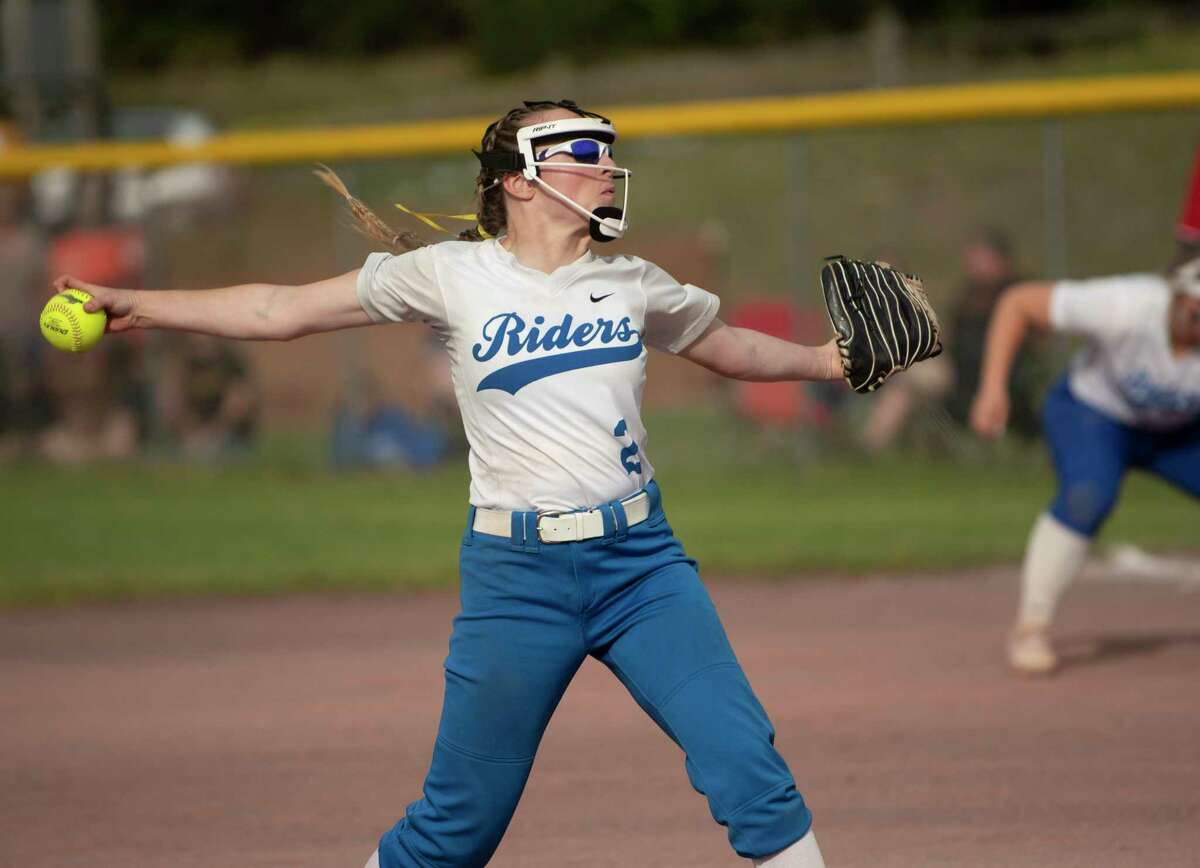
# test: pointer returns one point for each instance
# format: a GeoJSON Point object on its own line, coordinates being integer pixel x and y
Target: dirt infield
{"type": "Point", "coordinates": [291, 732]}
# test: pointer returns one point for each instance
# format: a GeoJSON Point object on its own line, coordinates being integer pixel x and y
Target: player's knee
{"type": "Point", "coordinates": [1084, 505]}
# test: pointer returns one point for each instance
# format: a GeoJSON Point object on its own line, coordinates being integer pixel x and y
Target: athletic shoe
{"type": "Point", "coordinates": [1030, 651]}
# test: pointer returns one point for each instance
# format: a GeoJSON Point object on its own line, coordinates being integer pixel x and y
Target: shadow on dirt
{"type": "Point", "coordinates": [1090, 650]}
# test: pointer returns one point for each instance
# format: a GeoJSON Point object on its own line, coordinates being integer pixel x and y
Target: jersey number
{"type": "Point", "coordinates": [628, 452]}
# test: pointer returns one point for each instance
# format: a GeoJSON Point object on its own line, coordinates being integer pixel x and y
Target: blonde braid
{"type": "Point", "coordinates": [501, 135]}
{"type": "Point", "coordinates": [367, 221]}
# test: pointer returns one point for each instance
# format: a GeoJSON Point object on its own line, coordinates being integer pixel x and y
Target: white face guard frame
{"type": "Point", "coordinates": [605, 223]}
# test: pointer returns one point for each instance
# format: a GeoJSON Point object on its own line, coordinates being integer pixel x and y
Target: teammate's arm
{"type": "Point", "coordinates": [744, 354]}
{"type": "Point", "coordinates": [1024, 306]}
{"type": "Point", "coordinates": [253, 311]}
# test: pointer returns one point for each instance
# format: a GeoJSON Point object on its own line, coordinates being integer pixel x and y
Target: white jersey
{"type": "Point", "coordinates": [1127, 371]}
{"type": "Point", "coordinates": [548, 369]}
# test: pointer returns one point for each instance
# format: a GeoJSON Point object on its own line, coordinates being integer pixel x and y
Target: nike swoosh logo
{"type": "Point", "coordinates": [601, 298]}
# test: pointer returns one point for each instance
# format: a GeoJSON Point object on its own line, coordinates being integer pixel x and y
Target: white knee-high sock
{"type": "Point", "coordinates": [373, 862]}
{"type": "Point", "coordinates": [803, 854]}
{"type": "Point", "coordinates": [1053, 559]}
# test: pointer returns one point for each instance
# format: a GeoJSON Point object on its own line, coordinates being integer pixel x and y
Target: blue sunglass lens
{"type": "Point", "coordinates": [583, 150]}
{"type": "Point", "coordinates": [586, 150]}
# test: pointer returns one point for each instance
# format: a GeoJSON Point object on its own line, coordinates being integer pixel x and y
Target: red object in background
{"type": "Point", "coordinates": [775, 318]}
{"type": "Point", "coordinates": [780, 404]}
{"type": "Point", "coordinates": [1188, 228]}
{"type": "Point", "coordinates": [110, 256]}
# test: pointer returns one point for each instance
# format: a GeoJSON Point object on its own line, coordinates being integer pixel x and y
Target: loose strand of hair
{"type": "Point", "coordinates": [489, 197]}
{"type": "Point", "coordinates": [366, 221]}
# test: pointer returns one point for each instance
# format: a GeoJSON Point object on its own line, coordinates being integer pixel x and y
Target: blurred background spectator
{"type": "Point", "coordinates": [94, 402]}
{"type": "Point", "coordinates": [989, 268]}
{"type": "Point", "coordinates": [207, 400]}
{"type": "Point", "coordinates": [919, 390]}
{"type": "Point", "coordinates": [23, 404]}
{"type": "Point", "coordinates": [942, 389]}
{"type": "Point", "coordinates": [369, 430]}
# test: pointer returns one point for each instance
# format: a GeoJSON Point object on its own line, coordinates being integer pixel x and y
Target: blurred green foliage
{"type": "Point", "coordinates": [515, 34]}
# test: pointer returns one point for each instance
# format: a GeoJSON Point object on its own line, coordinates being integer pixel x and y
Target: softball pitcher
{"type": "Point", "coordinates": [566, 550]}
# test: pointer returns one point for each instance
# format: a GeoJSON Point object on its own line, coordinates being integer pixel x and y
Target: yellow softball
{"type": "Point", "coordinates": [67, 326]}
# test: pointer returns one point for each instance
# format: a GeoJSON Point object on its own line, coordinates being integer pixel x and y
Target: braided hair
{"type": "Point", "coordinates": [501, 135]}
{"type": "Point", "coordinates": [367, 221]}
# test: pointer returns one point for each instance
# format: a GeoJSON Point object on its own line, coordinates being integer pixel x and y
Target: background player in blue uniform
{"type": "Point", "coordinates": [1130, 400]}
{"type": "Point", "coordinates": [567, 551]}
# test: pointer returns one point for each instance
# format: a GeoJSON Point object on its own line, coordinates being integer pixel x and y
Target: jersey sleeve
{"type": "Point", "coordinates": [1101, 307]}
{"type": "Point", "coordinates": [676, 313]}
{"type": "Point", "coordinates": [402, 288]}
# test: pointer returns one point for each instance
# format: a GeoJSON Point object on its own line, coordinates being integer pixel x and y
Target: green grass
{"type": "Point", "coordinates": [132, 532]}
{"type": "Point", "coordinates": [740, 504]}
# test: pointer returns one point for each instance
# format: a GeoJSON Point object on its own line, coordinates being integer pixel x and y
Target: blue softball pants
{"type": "Point", "coordinates": [531, 613]}
{"type": "Point", "coordinates": [1092, 452]}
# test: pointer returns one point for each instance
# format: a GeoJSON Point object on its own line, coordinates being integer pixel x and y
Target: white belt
{"type": "Point", "coordinates": [563, 527]}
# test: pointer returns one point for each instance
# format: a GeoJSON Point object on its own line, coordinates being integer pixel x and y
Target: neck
{"type": "Point", "coordinates": [1180, 347]}
{"type": "Point", "coordinates": [545, 244]}
{"type": "Point", "coordinates": [1178, 328]}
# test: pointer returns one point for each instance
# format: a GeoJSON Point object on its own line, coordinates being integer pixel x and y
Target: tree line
{"type": "Point", "coordinates": [506, 35]}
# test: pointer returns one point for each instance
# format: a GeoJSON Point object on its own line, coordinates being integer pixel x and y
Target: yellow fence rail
{"type": "Point", "coordinates": [894, 107]}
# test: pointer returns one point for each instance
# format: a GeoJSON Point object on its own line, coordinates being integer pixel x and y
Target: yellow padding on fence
{"type": "Point", "coordinates": [901, 106]}
{"type": "Point", "coordinates": [916, 105]}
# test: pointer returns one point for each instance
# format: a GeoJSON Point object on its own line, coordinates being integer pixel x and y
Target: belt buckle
{"type": "Point", "coordinates": [538, 524]}
{"type": "Point", "coordinates": [577, 514]}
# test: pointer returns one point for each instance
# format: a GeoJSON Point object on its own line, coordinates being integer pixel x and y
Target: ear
{"type": "Point", "coordinates": [518, 186]}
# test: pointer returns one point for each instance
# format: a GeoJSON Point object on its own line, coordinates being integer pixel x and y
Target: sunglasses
{"type": "Point", "coordinates": [589, 151]}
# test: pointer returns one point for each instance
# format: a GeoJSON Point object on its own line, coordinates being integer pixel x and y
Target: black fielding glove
{"type": "Point", "coordinates": [882, 317]}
